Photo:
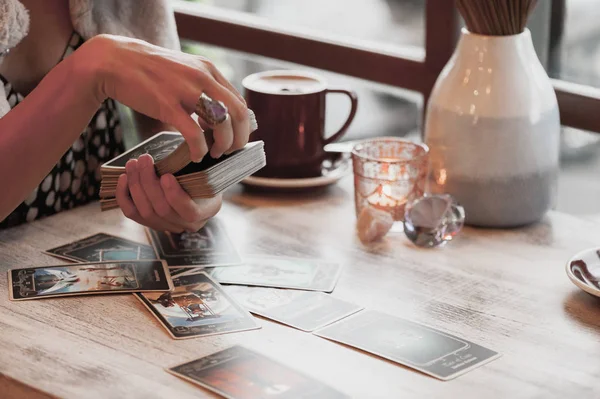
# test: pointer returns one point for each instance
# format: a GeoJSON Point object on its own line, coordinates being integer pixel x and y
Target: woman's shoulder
{"type": "Point", "coordinates": [14, 24]}
{"type": "Point", "coordinates": [155, 25]}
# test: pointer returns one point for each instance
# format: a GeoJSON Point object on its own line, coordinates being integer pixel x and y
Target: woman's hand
{"type": "Point", "coordinates": [160, 203]}
{"type": "Point", "coordinates": [165, 85]}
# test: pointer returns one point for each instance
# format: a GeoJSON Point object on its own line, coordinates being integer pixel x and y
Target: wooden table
{"type": "Point", "coordinates": [506, 290]}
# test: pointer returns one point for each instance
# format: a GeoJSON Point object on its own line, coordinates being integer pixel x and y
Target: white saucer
{"type": "Point", "coordinates": [584, 270]}
{"type": "Point", "coordinates": [330, 175]}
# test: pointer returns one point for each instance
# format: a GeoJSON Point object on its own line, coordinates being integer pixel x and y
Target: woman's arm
{"type": "Point", "coordinates": [156, 82]}
{"type": "Point", "coordinates": [35, 134]}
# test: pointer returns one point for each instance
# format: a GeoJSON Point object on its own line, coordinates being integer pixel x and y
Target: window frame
{"type": "Point", "coordinates": [402, 68]}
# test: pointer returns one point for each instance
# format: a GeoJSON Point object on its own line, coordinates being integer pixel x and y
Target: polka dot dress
{"type": "Point", "coordinates": [75, 179]}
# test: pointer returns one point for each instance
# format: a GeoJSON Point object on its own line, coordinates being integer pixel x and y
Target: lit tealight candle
{"type": "Point", "coordinates": [382, 199]}
{"type": "Point", "coordinates": [388, 172]}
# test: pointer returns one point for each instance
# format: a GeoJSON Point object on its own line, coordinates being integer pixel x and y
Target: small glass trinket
{"type": "Point", "coordinates": [433, 220]}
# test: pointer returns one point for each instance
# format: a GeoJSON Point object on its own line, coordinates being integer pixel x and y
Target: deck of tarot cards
{"type": "Point", "coordinates": [170, 152]}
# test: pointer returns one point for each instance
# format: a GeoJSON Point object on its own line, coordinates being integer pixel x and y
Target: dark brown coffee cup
{"type": "Point", "coordinates": [290, 111]}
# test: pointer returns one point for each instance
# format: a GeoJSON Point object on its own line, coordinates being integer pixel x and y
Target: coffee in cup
{"type": "Point", "coordinates": [290, 111]}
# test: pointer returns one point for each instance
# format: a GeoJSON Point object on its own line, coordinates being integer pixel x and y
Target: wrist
{"type": "Point", "coordinates": [90, 67]}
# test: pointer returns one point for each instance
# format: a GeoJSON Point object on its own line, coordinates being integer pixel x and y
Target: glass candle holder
{"type": "Point", "coordinates": [388, 173]}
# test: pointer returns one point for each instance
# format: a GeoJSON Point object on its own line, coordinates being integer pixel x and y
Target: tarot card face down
{"type": "Point", "coordinates": [281, 272]}
{"type": "Point", "coordinates": [103, 247]}
{"type": "Point", "coordinates": [88, 278]}
{"type": "Point", "coordinates": [430, 351]}
{"type": "Point", "coordinates": [197, 307]}
{"type": "Point", "coordinates": [209, 246]}
{"type": "Point", "coordinates": [239, 373]}
{"type": "Point", "coordinates": [304, 310]}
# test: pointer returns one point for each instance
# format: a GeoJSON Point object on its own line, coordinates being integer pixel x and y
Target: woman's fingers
{"type": "Point", "coordinates": [195, 216]}
{"type": "Point", "coordinates": [166, 85]}
{"type": "Point", "coordinates": [142, 203]}
{"type": "Point", "coordinates": [180, 200]}
{"type": "Point", "coordinates": [124, 201]}
{"type": "Point", "coordinates": [142, 196]}
{"type": "Point", "coordinates": [223, 138]}
{"type": "Point", "coordinates": [224, 82]}
{"type": "Point", "coordinates": [151, 186]}
{"type": "Point", "coordinates": [128, 207]}
{"type": "Point", "coordinates": [240, 137]}
{"type": "Point", "coordinates": [191, 131]}
{"type": "Point", "coordinates": [238, 112]}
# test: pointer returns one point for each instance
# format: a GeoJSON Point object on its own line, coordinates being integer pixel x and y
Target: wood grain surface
{"type": "Point", "coordinates": [504, 289]}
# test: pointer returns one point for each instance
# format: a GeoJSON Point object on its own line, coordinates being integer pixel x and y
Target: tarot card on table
{"type": "Point", "coordinates": [430, 351]}
{"type": "Point", "coordinates": [102, 247]}
{"type": "Point", "coordinates": [209, 246]}
{"type": "Point", "coordinates": [281, 272]}
{"type": "Point", "coordinates": [88, 278]}
{"type": "Point", "coordinates": [304, 310]}
{"type": "Point", "coordinates": [239, 373]}
{"type": "Point", "coordinates": [197, 306]}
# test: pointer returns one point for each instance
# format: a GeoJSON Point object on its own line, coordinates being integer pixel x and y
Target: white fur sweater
{"type": "Point", "coordinates": [149, 20]}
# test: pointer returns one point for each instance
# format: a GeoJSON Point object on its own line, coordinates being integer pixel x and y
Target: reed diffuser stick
{"type": "Point", "coordinates": [496, 17]}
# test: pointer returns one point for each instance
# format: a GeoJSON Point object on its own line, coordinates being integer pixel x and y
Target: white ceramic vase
{"type": "Point", "coordinates": [493, 130]}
